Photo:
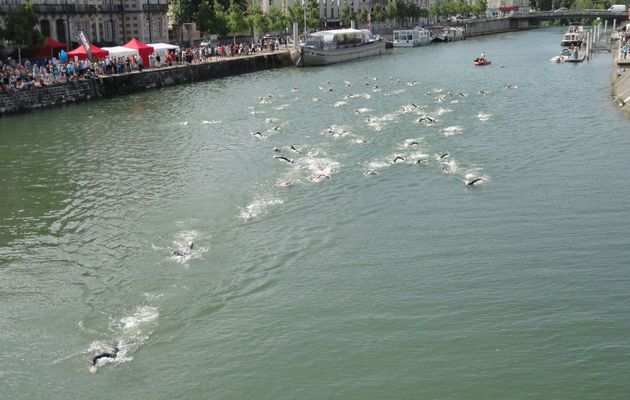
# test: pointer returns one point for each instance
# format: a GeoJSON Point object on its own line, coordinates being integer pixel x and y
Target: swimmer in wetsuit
{"type": "Point", "coordinates": [113, 354]}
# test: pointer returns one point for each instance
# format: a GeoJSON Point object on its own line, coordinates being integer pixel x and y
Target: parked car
{"type": "Point", "coordinates": [561, 9]}
{"type": "Point", "coordinates": [617, 7]}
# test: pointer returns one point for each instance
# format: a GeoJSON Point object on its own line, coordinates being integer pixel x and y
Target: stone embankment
{"type": "Point", "coordinates": [118, 85]}
{"type": "Point", "coordinates": [492, 26]}
{"type": "Point", "coordinates": [620, 79]}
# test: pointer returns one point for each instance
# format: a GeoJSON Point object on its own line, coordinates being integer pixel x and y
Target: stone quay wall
{"type": "Point", "coordinates": [620, 79]}
{"type": "Point", "coordinates": [118, 85]}
{"type": "Point", "coordinates": [492, 26]}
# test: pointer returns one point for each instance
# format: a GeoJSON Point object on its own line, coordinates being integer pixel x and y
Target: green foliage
{"type": "Point", "coordinates": [257, 20]}
{"type": "Point", "coordinates": [296, 14]}
{"type": "Point", "coordinates": [184, 10]}
{"type": "Point", "coordinates": [346, 15]}
{"type": "Point", "coordinates": [435, 10]}
{"type": "Point", "coordinates": [362, 17]}
{"type": "Point", "coordinates": [479, 7]}
{"type": "Point", "coordinates": [312, 14]}
{"type": "Point", "coordinates": [205, 17]}
{"type": "Point", "coordinates": [220, 20]}
{"type": "Point", "coordinates": [584, 5]}
{"type": "Point", "coordinates": [278, 22]}
{"type": "Point", "coordinates": [391, 11]}
{"type": "Point", "coordinates": [236, 18]}
{"type": "Point", "coordinates": [379, 13]}
{"type": "Point", "coordinates": [20, 27]}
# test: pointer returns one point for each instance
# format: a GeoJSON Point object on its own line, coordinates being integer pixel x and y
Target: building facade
{"type": "Point", "coordinates": [103, 21]}
{"type": "Point", "coordinates": [502, 8]}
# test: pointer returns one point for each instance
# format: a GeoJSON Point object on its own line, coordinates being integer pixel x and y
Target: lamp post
{"type": "Point", "coordinates": [304, 7]}
{"type": "Point", "coordinates": [150, 30]}
{"type": "Point", "coordinates": [67, 27]}
{"type": "Point", "coordinates": [111, 19]}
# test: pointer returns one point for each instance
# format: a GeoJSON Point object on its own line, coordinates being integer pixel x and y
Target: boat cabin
{"type": "Point", "coordinates": [338, 39]}
{"type": "Point", "coordinates": [411, 37]}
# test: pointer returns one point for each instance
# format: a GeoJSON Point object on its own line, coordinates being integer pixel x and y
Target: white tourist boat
{"type": "Point", "coordinates": [329, 47]}
{"type": "Point", "coordinates": [411, 37]}
{"type": "Point", "coordinates": [574, 36]}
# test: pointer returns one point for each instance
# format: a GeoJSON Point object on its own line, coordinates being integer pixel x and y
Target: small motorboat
{"type": "Point", "coordinates": [482, 61]}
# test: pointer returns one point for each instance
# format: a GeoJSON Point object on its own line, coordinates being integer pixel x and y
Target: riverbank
{"type": "Point", "coordinates": [620, 80]}
{"type": "Point", "coordinates": [118, 85]}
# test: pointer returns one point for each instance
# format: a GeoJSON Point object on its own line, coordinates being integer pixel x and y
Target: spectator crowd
{"type": "Point", "coordinates": [42, 72]}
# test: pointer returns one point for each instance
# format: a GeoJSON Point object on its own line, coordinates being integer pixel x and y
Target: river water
{"type": "Point", "coordinates": [341, 275]}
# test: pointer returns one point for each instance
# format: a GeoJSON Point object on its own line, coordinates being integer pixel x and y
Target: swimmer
{"type": "Point", "coordinates": [257, 135]}
{"type": "Point", "coordinates": [412, 143]}
{"type": "Point", "coordinates": [483, 92]}
{"type": "Point", "coordinates": [284, 183]}
{"type": "Point", "coordinates": [294, 149]}
{"type": "Point", "coordinates": [421, 162]}
{"type": "Point", "coordinates": [398, 158]}
{"type": "Point", "coordinates": [472, 182]}
{"type": "Point", "coordinates": [443, 156]}
{"type": "Point", "coordinates": [183, 253]}
{"type": "Point", "coordinates": [283, 158]}
{"type": "Point", "coordinates": [277, 128]}
{"type": "Point", "coordinates": [319, 177]}
{"type": "Point", "coordinates": [113, 354]}
{"type": "Point", "coordinates": [370, 172]}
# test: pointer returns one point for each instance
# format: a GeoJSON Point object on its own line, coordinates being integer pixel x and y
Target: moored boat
{"type": "Point", "coordinates": [411, 37]}
{"type": "Point", "coordinates": [574, 36]}
{"type": "Point", "coordinates": [338, 45]}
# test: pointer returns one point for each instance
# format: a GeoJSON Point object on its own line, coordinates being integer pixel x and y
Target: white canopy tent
{"type": "Point", "coordinates": [161, 49]}
{"type": "Point", "coordinates": [119, 51]}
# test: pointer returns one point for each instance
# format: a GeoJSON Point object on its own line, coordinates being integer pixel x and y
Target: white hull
{"type": "Point", "coordinates": [312, 57]}
{"type": "Point", "coordinates": [411, 43]}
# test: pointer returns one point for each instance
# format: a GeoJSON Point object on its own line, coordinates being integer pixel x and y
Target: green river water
{"type": "Point", "coordinates": [342, 275]}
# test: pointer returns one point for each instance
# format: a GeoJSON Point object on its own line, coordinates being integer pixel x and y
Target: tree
{"type": "Point", "coordinates": [479, 7]}
{"type": "Point", "coordinates": [312, 14]}
{"type": "Point", "coordinates": [346, 15]}
{"type": "Point", "coordinates": [184, 10]}
{"type": "Point", "coordinates": [21, 28]}
{"type": "Point", "coordinates": [205, 18]}
{"type": "Point", "coordinates": [236, 19]}
{"type": "Point", "coordinates": [257, 20]}
{"type": "Point", "coordinates": [362, 17]}
{"type": "Point", "coordinates": [390, 10]}
{"type": "Point", "coordinates": [379, 13]}
{"type": "Point", "coordinates": [278, 22]}
{"type": "Point", "coordinates": [296, 14]}
{"type": "Point", "coordinates": [220, 19]}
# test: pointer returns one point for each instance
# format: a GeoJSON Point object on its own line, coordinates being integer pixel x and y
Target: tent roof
{"type": "Point", "coordinates": [47, 48]}
{"type": "Point", "coordinates": [120, 51]}
{"type": "Point", "coordinates": [136, 44]}
{"type": "Point", "coordinates": [162, 46]}
{"type": "Point", "coordinates": [96, 51]}
{"type": "Point", "coordinates": [52, 43]}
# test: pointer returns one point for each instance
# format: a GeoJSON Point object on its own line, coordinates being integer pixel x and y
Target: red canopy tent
{"type": "Point", "coordinates": [97, 53]}
{"type": "Point", "coordinates": [48, 49]}
{"type": "Point", "coordinates": [142, 48]}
